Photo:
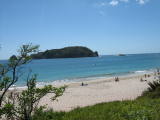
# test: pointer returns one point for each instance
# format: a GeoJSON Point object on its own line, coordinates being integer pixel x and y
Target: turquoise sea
{"type": "Point", "coordinates": [75, 69]}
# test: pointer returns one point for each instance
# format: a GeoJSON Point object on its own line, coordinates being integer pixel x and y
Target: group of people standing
{"type": "Point", "coordinates": [156, 74]}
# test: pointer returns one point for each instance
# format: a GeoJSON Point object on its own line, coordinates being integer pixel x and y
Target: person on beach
{"type": "Point", "coordinates": [145, 75]}
{"type": "Point", "coordinates": [82, 84]}
{"type": "Point", "coordinates": [158, 71]}
{"type": "Point", "coordinates": [116, 79]}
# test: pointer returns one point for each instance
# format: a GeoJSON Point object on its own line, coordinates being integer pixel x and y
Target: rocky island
{"type": "Point", "coordinates": [121, 55]}
{"type": "Point", "coordinates": [67, 52]}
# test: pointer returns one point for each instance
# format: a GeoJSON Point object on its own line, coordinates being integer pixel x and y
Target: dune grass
{"type": "Point", "coordinates": [140, 109]}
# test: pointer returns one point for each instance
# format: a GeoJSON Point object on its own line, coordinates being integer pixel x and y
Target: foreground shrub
{"type": "Point", "coordinates": [153, 90]}
{"type": "Point", "coordinates": [21, 105]}
{"type": "Point", "coordinates": [40, 114]}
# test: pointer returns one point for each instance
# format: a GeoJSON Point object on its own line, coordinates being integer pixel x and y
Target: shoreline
{"type": "Point", "coordinates": [98, 91]}
{"type": "Point", "coordinates": [89, 78]}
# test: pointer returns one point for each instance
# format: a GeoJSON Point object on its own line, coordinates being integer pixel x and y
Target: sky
{"type": "Point", "coordinates": [106, 26]}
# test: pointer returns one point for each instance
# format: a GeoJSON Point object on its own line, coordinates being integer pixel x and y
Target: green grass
{"type": "Point", "coordinates": [126, 110]}
{"type": "Point", "coordinates": [140, 109]}
{"type": "Point", "coordinates": [146, 107]}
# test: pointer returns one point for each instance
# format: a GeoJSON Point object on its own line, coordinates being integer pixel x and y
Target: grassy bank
{"type": "Point", "coordinates": [146, 107]}
{"type": "Point", "coordinates": [140, 109]}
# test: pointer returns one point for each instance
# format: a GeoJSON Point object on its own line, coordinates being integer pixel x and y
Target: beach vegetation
{"type": "Point", "coordinates": [25, 103]}
{"type": "Point", "coordinates": [21, 105]}
{"type": "Point", "coordinates": [153, 90]}
{"type": "Point", "coordinates": [13, 66]}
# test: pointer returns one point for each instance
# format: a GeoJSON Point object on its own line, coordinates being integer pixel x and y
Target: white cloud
{"type": "Point", "coordinates": [114, 2]}
{"type": "Point", "coordinates": [142, 2]}
{"type": "Point", "coordinates": [117, 2]}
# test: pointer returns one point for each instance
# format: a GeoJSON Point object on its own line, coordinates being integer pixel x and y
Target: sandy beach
{"type": "Point", "coordinates": [97, 91]}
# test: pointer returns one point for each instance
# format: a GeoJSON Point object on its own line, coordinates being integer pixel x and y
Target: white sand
{"type": "Point", "coordinates": [97, 91]}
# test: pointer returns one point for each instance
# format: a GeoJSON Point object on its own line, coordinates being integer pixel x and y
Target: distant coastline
{"type": "Point", "coordinates": [99, 55]}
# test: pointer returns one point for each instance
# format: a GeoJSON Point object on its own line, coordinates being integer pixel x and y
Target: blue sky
{"type": "Point", "coordinates": [108, 26]}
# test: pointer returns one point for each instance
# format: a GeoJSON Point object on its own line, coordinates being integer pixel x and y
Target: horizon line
{"type": "Point", "coordinates": [113, 54]}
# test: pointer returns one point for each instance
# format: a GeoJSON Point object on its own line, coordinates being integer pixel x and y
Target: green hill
{"type": "Point", "coordinates": [67, 52]}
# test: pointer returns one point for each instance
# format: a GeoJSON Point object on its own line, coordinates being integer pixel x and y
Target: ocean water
{"type": "Point", "coordinates": [75, 69]}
